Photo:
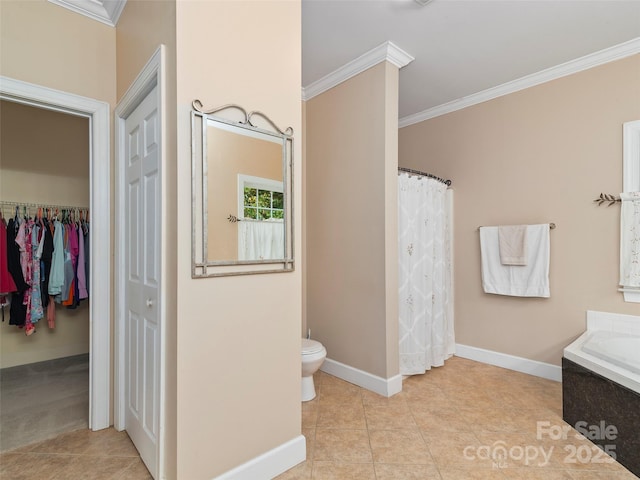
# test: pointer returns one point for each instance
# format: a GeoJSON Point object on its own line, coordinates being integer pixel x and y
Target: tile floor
{"type": "Point", "coordinates": [421, 433]}
{"type": "Point", "coordinates": [424, 431]}
{"type": "Point", "coordinates": [77, 455]}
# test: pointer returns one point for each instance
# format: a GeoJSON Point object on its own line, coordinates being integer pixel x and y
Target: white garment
{"type": "Point", "coordinates": [260, 240]}
{"type": "Point", "coordinates": [630, 240]}
{"type": "Point", "coordinates": [530, 280]}
{"type": "Point", "coordinates": [425, 282]}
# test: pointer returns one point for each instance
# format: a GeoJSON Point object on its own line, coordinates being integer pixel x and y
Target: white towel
{"type": "Point", "coordinates": [630, 240]}
{"type": "Point", "coordinates": [531, 280]}
{"type": "Point", "coordinates": [512, 243]}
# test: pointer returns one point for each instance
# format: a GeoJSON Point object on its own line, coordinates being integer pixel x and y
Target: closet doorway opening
{"type": "Point", "coordinates": [95, 115]}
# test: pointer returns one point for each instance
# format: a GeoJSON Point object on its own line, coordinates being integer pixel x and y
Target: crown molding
{"type": "Point", "coordinates": [388, 51]}
{"type": "Point", "coordinates": [105, 11]}
{"type": "Point", "coordinates": [601, 57]}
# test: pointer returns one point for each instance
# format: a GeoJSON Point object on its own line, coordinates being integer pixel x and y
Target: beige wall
{"type": "Point", "coordinates": [536, 156]}
{"type": "Point", "coordinates": [143, 26]}
{"type": "Point", "coordinates": [44, 158]}
{"type": "Point", "coordinates": [238, 360]}
{"type": "Point", "coordinates": [351, 244]}
{"type": "Point", "coordinates": [45, 44]}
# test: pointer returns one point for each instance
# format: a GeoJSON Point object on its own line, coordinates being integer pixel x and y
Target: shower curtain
{"type": "Point", "coordinates": [425, 277]}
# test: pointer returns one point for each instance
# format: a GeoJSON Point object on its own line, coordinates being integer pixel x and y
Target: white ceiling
{"type": "Point", "coordinates": [461, 47]}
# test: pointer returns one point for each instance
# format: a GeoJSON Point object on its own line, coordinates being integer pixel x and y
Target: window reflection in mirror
{"type": "Point", "coordinates": [245, 180]}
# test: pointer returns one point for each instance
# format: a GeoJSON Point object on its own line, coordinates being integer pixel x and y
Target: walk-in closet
{"type": "Point", "coordinates": [44, 359]}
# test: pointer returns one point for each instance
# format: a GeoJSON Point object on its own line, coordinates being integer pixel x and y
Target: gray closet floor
{"type": "Point", "coordinates": [42, 400]}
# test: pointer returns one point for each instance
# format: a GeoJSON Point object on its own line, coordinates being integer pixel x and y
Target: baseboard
{"type": "Point", "coordinates": [382, 386]}
{"type": "Point", "coordinates": [270, 464]}
{"type": "Point", "coordinates": [511, 362]}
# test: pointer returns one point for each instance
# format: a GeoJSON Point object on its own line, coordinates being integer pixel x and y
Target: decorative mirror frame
{"type": "Point", "coordinates": [201, 265]}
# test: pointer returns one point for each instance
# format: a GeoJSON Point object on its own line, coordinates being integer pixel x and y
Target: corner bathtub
{"type": "Point", "coordinates": [601, 386]}
{"type": "Point", "coordinates": [612, 355]}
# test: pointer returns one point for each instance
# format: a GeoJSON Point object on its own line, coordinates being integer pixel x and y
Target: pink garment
{"type": "Point", "coordinates": [23, 239]}
{"type": "Point", "coordinates": [6, 280]}
{"type": "Point", "coordinates": [81, 274]}
{"type": "Point", "coordinates": [73, 244]}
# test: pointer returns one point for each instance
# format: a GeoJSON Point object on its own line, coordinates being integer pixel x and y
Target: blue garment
{"type": "Point", "coordinates": [35, 312]}
{"type": "Point", "coordinates": [56, 277]}
{"type": "Point", "coordinates": [63, 296]}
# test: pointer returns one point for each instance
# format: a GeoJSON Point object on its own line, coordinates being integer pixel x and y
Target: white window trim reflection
{"type": "Point", "coordinates": [255, 182]}
{"type": "Point", "coordinates": [631, 181]}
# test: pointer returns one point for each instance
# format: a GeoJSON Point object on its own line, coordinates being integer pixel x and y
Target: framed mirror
{"type": "Point", "coordinates": [242, 186]}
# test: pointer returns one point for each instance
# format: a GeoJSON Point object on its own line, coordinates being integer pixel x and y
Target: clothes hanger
{"type": "Point", "coordinates": [40, 217]}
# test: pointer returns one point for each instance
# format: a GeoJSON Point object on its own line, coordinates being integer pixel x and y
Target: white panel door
{"type": "Point", "coordinates": [142, 326]}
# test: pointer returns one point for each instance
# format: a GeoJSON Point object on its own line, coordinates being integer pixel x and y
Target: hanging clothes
{"type": "Point", "coordinates": [47, 254]}
{"type": "Point", "coordinates": [56, 277]}
{"type": "Point", "coordinates": [87, 252]}
{"type": "Point", "coordinates": [35, 312]}
{"type": "Point", "coordinates": [66, 296]}
{"type": "Point", "coordinates": [7, 285]}
{"type": "Point", "coordinates": [81, 267]}
{"type": "Point", "coordinates": [13, 256]}
{"type": "Point", "coordinates": [23, 239]}
{"type": "Point", "coordinates": [18, 310]}
{"type": "Point", "coordinates": [42, 261]}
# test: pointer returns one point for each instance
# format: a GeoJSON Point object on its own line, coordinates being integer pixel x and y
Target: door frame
{"type": "Point", "coordinates": [153, 74]}
{"type": "Point", "coordinates": [100, 207]}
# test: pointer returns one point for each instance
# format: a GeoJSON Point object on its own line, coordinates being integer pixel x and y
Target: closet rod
{"type": "Point", "coordinates": [423, 174]}
{"type": "Point", "coordinates": [4, 203]}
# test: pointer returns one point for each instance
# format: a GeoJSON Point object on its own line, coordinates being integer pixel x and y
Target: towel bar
{"type": "Point", "coordinates": [551, 226]}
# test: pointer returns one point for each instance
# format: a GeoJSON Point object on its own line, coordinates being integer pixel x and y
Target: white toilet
{"type": "Point", "coordinates": [313, 354]}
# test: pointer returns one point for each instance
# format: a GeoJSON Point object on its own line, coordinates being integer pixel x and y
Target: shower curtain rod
{"type": "Point", "coordinates": [423, 174]}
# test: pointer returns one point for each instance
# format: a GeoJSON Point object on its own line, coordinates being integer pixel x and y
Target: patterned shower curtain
{"type": "Point", "coordinates": [425, 277]}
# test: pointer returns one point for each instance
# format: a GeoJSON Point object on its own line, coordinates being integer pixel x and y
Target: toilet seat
{"type": "Point", "coordinates": [310, 347]}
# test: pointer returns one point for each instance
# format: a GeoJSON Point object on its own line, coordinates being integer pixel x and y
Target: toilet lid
{"type": "Point", "coordinates": [310, 346]}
